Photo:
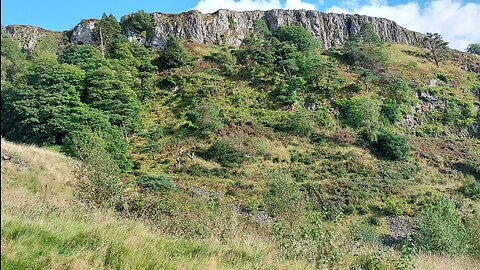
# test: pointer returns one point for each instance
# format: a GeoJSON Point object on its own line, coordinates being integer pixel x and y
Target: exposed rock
{"type": "Point", "coordinates": [231, 27]}
{"type": "Point", "coordinates": [311, 106]}
{"type": "Point", "coordinates": [433, 83]}
{"type": "Point", "coordinates": [83, 32]}
{"type": "Point", "coordinates": [27, 36]}
{"type": "Point", "coordinates": [14, 160]}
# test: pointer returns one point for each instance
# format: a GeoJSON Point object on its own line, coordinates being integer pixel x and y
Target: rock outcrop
{"type": "Point", "coordinates": [231, 27]}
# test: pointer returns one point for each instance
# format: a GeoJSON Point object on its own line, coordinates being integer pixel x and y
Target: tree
{"type": "Point", "coordinates": [364, 49]}
{"type": "Point", "coordinates": [207, 118]}
{"type": "Point", "coordinates": [140, 21]}
{"type": "Point", "coordinates": [107, 31]}
{"type": "Point", "coordinates": [363, 114]}
{"type": "Point", "coordinates": [392, 146]}
{"type": "Point", "coordinates": [474, 48]}
{"type": "Point", "coordinates": [287, 92]}
{"type": "Point", "coordinates": [298, 36]}
{"type": "Point", "coordinates": [85, 57]}
{"type": "Point", "coordinates": [151, 145]}
{"type": "Point", "coordinates": [173, 55]}
{"type": "Point", "coordinates": [104, 90]}
{"type": "Point", "coordinates": [37, 107]}
{"type": "Point", "coordinates": [437, 48]}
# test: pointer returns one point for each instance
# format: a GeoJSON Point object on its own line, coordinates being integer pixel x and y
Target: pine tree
{"type": "Point", "coordinates": [437, 48]}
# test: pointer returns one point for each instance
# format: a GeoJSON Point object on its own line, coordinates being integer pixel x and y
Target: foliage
{"type": "Point", "coordinates": [155, 182]}
{"type": "Point", "coordinates": [287, 92]}
{"type": "Point", "coordinates": [173, 55]}
{"type": "Point", "coordinates": [474, 48]}
{"type": "Point", "coordinates": [363, 114]}
{"type": "Point", "coordinates": [228, 151]}
{"type": "Point", "coordinates": [391, 110]}
{"type": "Point", "coordinates": [152, 145]}
{"type": "Point", "coordinates": [107, 32]}
{"type": "Point", "coordinates": [141, 21]}
{"type": "Point", "coordinates": [225, 59]}
{"type": "Point", "coordinates": [440, 228]}
{"type": "Point", "coordinates": [364, 49]}
{"type": "Point", "coordinates": [437, 48]}
{"type": "Point", "coordinates": [471, 190]}
{"type": "Point", "coordinates": [37, 108]}
{"type": "Point", "coordinates": [303, 40]}
{"type": "Point", "coordinates": [207, 118]}
{"type": "Point", "coordinates": [85, 57]}
{"type": "Point", "coordinates": [392, 146]}
{"type": "Point", "coordinates": [284, 200]}
{"type": "Point", "coordinates": [299, 122]}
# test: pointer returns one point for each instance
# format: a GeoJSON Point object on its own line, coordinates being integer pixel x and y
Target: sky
{"type": "Point", "coordinates": [458, 21]}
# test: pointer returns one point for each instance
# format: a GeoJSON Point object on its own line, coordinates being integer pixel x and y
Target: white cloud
{"type": "Point", "coordinates": [457, 21]}
{"type": "Point", "coordinates": [208, 6]}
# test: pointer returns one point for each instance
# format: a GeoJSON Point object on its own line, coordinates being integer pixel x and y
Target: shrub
{"type": "Point", "coordinates": [225, 59]}
{"type": "Point", "coordinates": [473, 227]}
{"type": "Point", "coordinates": [299, 123]}
{"type": "Point", "coordinates": [361, 113]}
{"type": "Point", "coordinates": [362, 233]}
{"type": "Point", "coordinates": [392, 146]}
{"type": "Point", "coordinates": [440, 228]}
{"type": "Point", "coordinates": [140, 21]}
{"type": "Point", "coordinates": [395, 206]}
{"type": "Point", "coordinates": [471, 190]}
{"type": "Point", "coordinates": [173, 55]}
{"type": "Point", "coordinates": [155, 182]}
{"type": "Point", "coordinates": [391, 110]}
{"type": "Point", "coordinates": [207, 118]}
{"type": "Point", "coordinates": [228, 151]}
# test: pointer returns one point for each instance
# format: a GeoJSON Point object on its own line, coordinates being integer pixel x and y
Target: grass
{"type": "Point", "coordinates": [49, 229]}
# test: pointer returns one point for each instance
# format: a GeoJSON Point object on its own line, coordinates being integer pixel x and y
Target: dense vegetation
{"type": "Point", "coordinates": [278, 139]}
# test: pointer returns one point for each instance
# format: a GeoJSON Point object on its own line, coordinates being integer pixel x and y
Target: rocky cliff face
{"type": "Point", "coordinates": [26, 36]}
{"type": "Point", "coordinates": [231, 27]}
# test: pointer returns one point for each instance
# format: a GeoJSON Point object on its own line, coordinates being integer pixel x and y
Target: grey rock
{"type": "Point", "coordinates": [26, 36]}
{"type": "Point", "coordinates": [232, 27]}
{"type": "Point", "coordinates": [433, 83]}
{"type": "Point", "coordinates": [83, 32]}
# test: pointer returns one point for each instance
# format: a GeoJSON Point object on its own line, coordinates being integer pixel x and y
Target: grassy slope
{"type": "Point", "coordinates": [44, 228]}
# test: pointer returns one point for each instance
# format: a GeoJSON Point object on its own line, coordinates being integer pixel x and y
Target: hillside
{"type": "Point", "coordinates": [277, 153]}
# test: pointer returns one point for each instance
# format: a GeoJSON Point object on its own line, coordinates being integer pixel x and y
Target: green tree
{"type": "Point", "coordinates": [298, 36]}
{"type": "Point", "coordinates": [140, 21]}
{"type": "Point", "coordinates": [37, 107]}
{"type": "Point", "coordinates": [104, 90]}
{"type": "Point", "coordinates": [363, 114]}
{"type": "Point", "coordinates": [173, 55]}
{"type": "Point", "coordinates": [152, 145]}
{"type": "Point", "coordinates": [85, 57]}
{"type": "Point", "coordinates": [287, 92]}
{"type": "Point", "coordinates": [207, 118]}
{"type": "Point", "coordinates": [392, 146]}
{"type": "Point", "coordinates": [440, 228]}
{"type": "Point", "coordinates": [364, 49]}
{"type": "Point", "coordinates": [474, 48]}
{"type": "Point", "coordinates": [107, 32]}
{"type": "Point", "coordinates": [437, 48]}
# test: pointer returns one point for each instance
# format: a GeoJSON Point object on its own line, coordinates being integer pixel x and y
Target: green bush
{"type": "Point", "coordinates": [300, 122]}
{"type": "Point", "coordinates": [140, 21]}
{"type": "Point", "coordinates": [391, 110]}
{"type": "Point", "coordinates": [473, 229]}
{"type": "Point", "coordinates": [173, 55]}
{"type": "Point", "coordinates": [228, 151]}
{"type": "Point", "coordinates": [207, 118]}
{"type": "Point", "coordinates": [392, 146]}
{"type": "Point", "coordinates": [471, 190]}
{"type": "Point", "coordinates": [362, 233]}
{"type": "Point", "coordinates": [155, 182]}
{"type": "Point", "coordinates": [361, 113]}
{"type": "Point", "coordinates": [440, 228]}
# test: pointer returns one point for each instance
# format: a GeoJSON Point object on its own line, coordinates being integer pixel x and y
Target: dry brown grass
{"type": "Point", "coordinates": [437, 262]}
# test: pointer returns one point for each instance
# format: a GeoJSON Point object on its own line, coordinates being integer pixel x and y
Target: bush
{"type": "Point", "coordinates": [440, 229]}
{"type": "Point", "coordinates": [473, 227]}
{"type": "Point", "coordinates": [471, 190]}
{"type": "Point", "coordinates": [140, 21]}
{"type": "Point", "coordinates": [299, 123]}
{"type": "Point", "coordinates": [207, 118]}
{"type": "Point", "coordinates": [155, 182]}
{"type": "Point", "coordinates": [391, 110]}
{"type": "Point", "coordinates": [363, 114]}
{"type": "Point", "coordinates": [392, 146]}
{"type": "Point", "coordinates": [173, 55]}
{"type": "Point", "coordinates": [362, 233]}
{"type": "Point", "coordinates": [228, 151]}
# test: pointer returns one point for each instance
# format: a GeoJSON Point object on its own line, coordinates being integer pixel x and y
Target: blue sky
{"type": "Point", "coordinates": [456, 20]}
{"type": "Point", "coordinates": [62, 15]}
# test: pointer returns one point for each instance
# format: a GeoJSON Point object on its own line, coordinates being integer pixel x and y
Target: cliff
{"type": "Point", "coordinates": [231, 27]}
